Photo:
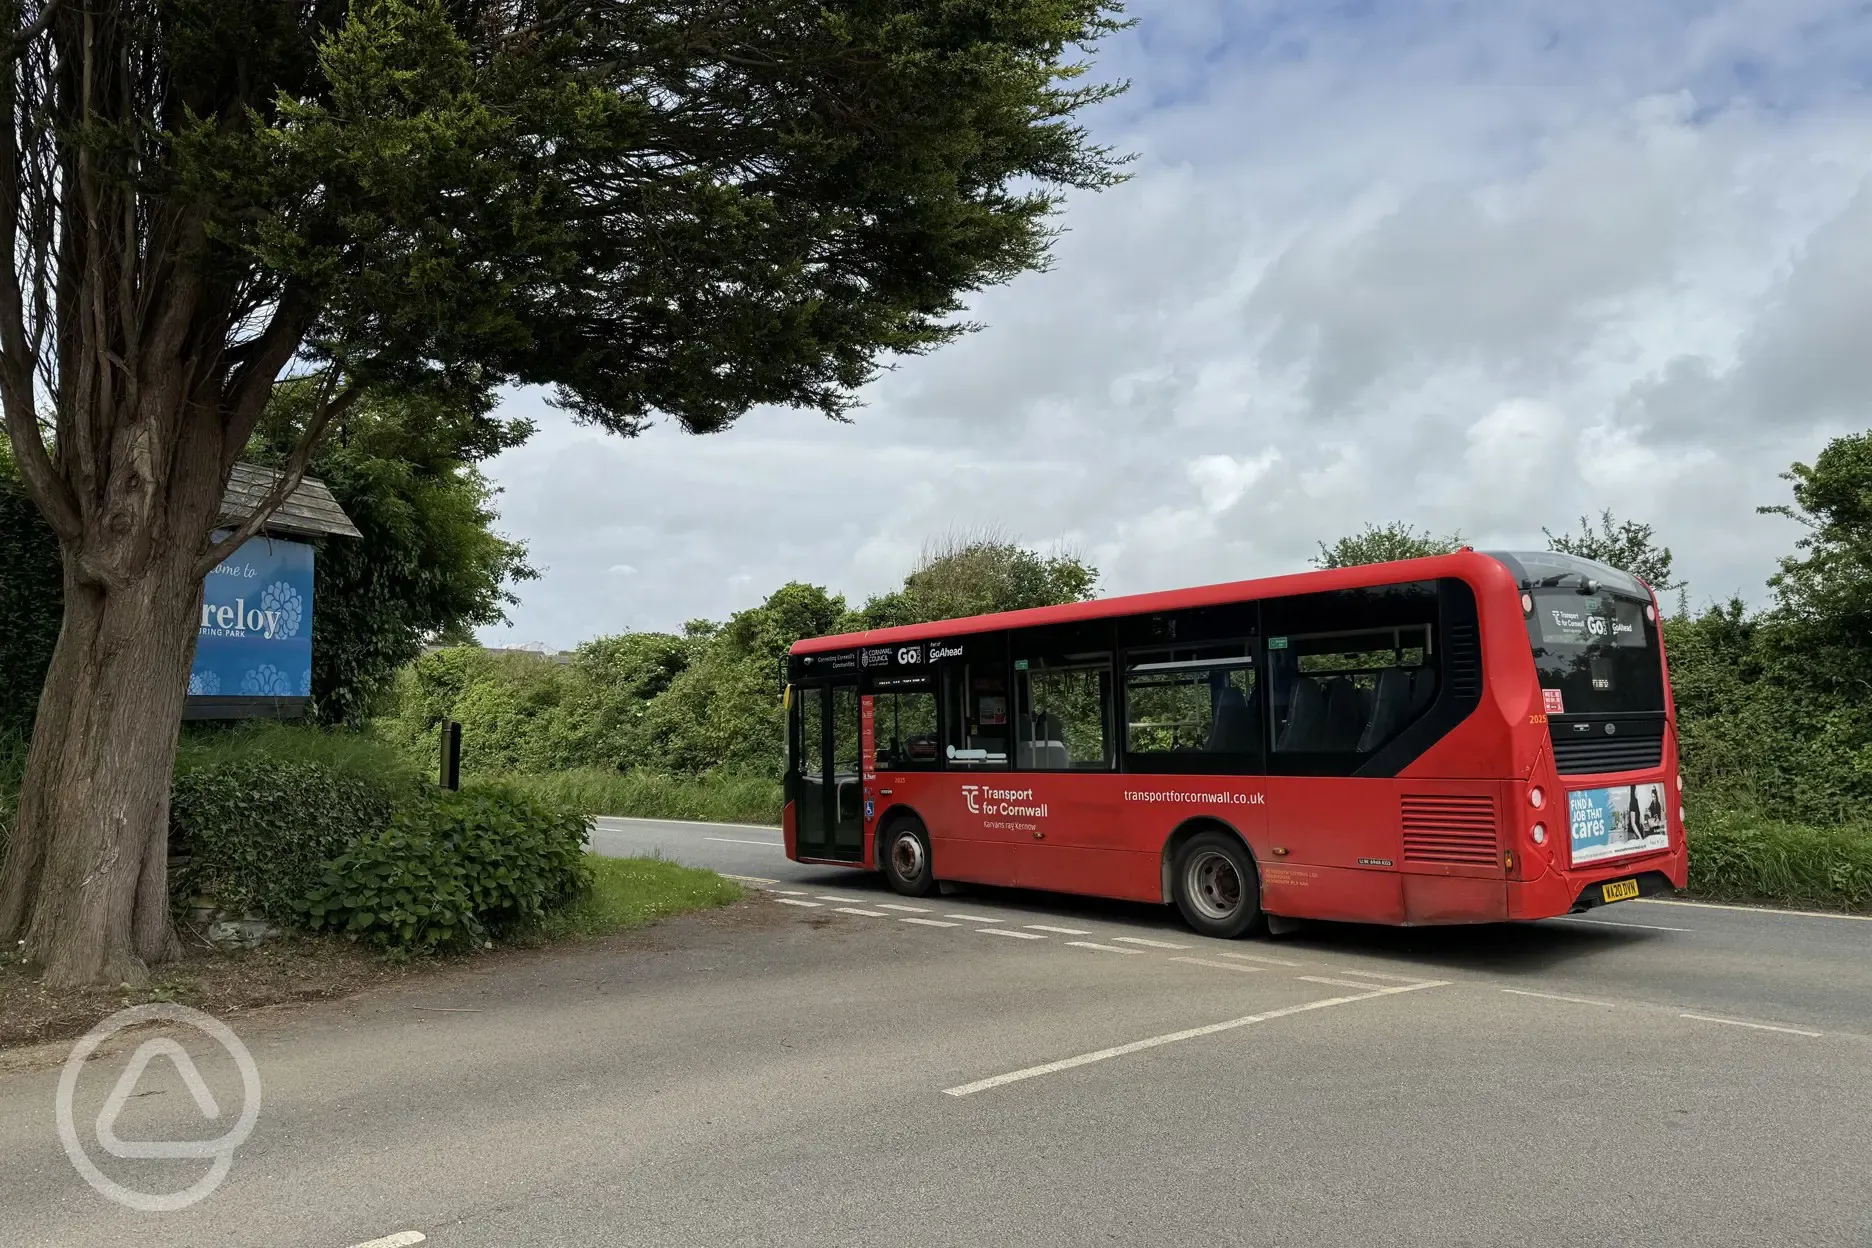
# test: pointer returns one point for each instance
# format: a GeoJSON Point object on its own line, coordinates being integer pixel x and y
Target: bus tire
{"type": "Point", "coordinates": [1216, 885]}
{"type": "Point", "coordinates": [906, 858]}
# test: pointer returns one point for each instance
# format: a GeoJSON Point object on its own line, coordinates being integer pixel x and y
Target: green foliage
{"type": "Point", "coordinates": [32, 597]}
{"type": "Point", "coordinates": [1622, 544]}
{"type": "Point", "coordinates": [629, 892]}
{"type": "Point", "coordinates": [1740, 853]}
{"type": "Point", "coordinates": [454, 869]}
{"type": "Point", "coordinates": [1382, 543]}
{"type": "Point", "coordinates": [713, 797]}
{"type": "Point", "coordinates": [966, 576]}
{"type": "Point", "coordinates": [429, 563]}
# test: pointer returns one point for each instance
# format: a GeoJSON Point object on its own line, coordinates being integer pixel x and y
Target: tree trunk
{"type": "Point", "coordinates": [85, 881]}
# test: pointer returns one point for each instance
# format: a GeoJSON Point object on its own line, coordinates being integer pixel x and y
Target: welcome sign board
{"type": "Point", "coordinates": [255, 638]}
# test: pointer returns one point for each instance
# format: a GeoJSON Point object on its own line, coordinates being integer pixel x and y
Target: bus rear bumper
{"type": "Point", "coordinates": [1559, 892]}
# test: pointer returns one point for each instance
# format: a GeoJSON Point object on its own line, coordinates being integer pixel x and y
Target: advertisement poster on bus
{"type": "Point", "coordinates": [1624, 819]}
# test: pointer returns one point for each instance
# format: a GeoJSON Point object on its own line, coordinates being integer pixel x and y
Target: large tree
{"type": "Point", "coordinates": [684, 207]}
{"type": "Point", "coordinates": [1382, 543]}
{"type": "Point", "coordinates": [1623, 544]}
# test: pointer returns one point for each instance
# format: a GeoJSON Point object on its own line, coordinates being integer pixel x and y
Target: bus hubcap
{"type": "Point", "coordinates": [1215, 885]}
{"type": "Point", "coordinates": [907, 856]}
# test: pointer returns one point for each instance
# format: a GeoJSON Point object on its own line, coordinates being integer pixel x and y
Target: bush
{"type": "Point", "coordinates": [1742, 855]}
{"type": "Point", "coordinates": [257, 811]}
{"type": "Point", "coordinates": [454, 869]}
{"type": "Point", "coordinates": [718, 797]}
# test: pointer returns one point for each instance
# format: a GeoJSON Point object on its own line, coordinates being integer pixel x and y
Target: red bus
{"type": "Point", "coordinates": [1470, 738]}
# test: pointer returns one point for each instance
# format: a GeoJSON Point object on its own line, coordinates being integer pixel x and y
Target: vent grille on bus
{"type": "Point", "coordinates": [1585, 755]}
{"type": "Point", "coordinates": [1449, 829]}
{"type": "Point", "coordinates": [1464, 651]}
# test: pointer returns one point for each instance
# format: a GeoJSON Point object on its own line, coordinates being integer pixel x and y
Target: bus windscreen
{"type": "Point", "coordinates": [1596, 653]}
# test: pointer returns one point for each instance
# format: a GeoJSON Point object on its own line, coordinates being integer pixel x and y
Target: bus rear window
{"type": "Point", "coordinates": [1596, 653]}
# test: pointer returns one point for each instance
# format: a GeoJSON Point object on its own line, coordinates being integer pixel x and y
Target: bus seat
{"type": "Point", "coordinates": [1390, 708]}
{"type": "Point", "coordinates": [1305, 716]}
{"type": "Point", "coordinates": [1235, 730]}
{"type": "Point", "coordinates": [1344, 718]}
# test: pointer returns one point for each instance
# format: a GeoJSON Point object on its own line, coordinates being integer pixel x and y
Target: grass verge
{"type": "Point", "coordinates": [629, 892]}
{"type": "Point", "coordinates": [649, 795]}
{"type": "Point", "coordinates": [1740, 855]}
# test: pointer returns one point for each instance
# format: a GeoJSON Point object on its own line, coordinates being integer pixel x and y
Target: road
{"type": "Point", "coordinates": [834, 1065]}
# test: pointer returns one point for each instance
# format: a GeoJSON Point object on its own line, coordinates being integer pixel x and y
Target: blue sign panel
{"type": "Point", "coordinates": [256, 624]}
{"type": "Point", "coordinates": [1608, 823]}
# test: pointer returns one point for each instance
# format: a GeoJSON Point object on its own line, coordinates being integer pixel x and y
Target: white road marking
{"type": "Point", "coordinates": [1649, 927]}
{"type": "Point", "coordinates": [891, 905]}
{"type": "Point", "coordinates": [1261, 957]}
{"type": "Point", "coordinates": [1736, 1022]}
{"type": "Point", "coordinates": [1152, 944]}
{"type": "Point", "coordinates": [790, 901]}
{"type": "Point", "coordinates": [1336, 983]}
{"type": "Point", "coordinates": [974, 918]}
{"type": "Point", "coordinates": [849, 901]}
{"type": "Point", "coordinates": [1063, 931]}
{"type": "Point", "coordinates": [1554, 996]}
{"type": "Point", "coordinates": [929, 922]}
{"type": "Point", "coordinates": [688, 823]}
{"type": "Point", "coordinates": [1396, 979]}
{"type": "Point", "coordinates": [1086, 944]}
{"type": "Point", "coordinates": [1004, 931]}
{"type": "Point", "coordinates": [729, 840]}
{"type": "Point", "coordinates": [754, 879]}
{"type": "Point", "coordinates": [1220, 966]}
{"type": "Point", "coordinates": [791, 892]}
{"type": "Point", "coordinates": [402, 1239]}
{"type": "Point", "coordinates": [1138, 1046]}
{"type": "Point", "coordinates": [1717, 905]}
{"type": "Point", "coordinates": [869, 914]}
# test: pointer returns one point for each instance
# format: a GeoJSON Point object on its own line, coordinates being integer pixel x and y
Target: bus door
{"type": "Point", "coordinates": [829, 789]}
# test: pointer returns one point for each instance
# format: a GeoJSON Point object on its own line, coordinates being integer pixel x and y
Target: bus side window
{"type": "Point", "coordinates": [904, 728]}
{"type": "Point", "coordinates": [1349, 693]}
{"type": "Point", "coordinates": [975, 716]}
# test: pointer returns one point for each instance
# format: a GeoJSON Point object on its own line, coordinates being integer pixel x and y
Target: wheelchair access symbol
{"type": "Point", "coordinates": [221, 1149]}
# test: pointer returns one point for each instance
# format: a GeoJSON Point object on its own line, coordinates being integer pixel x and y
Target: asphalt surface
{"type": "Point", "coordinates": [816, 1068]}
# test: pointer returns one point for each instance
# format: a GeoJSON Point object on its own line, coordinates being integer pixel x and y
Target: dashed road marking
{"type": "Point", "coordinates": [1336, 983]}
{"type": "Point", "coordinates": [1554, 996]}
{"type": "Point", "coordinates": [1149, 944]}
{"type": "Point", "coordinates": [974, 918]}
{"type": "Point", "coordinates": [848, 901]}
{"type": "Point", "coordinates": [1736, 1022]}
{"type": "Point", "coordinates": [1649, 927]}
{"type": "Point", "coordinates": [1086, 944]}
{"type": "Point", "coordinates": [1220, 966]}
{"type": "Point", "coordinates": [929, 922]}
{"type": "Point", "coordinates": [869, 914]}
{"type": "Point", "coordinates": [1716, 905]}
{"type": "Point", "coordinates": [1262, 957]}
{"type": "Point", "coordinates": [1005, 931]}
{"type": "Point", "coordinates": [402, 1239]}
{"type": "Point", "coordinates": [1138, 1046]}
{"type": "Point", "coordinates": [793, 901]}
{"type": "Point", "coordinates": [1063, 931]}
{"type": "Point", "coordinates": [891, 905]}
{"type": "Point", "coordinates": [791, 892]}
{"type": "Point", "coordinates": [1396, 979]}
{"type": "Point", "coordinates": [752, 879]}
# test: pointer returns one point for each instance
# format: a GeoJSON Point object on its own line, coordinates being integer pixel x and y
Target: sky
{"type": "Point", "coordinates": [1483, 267]}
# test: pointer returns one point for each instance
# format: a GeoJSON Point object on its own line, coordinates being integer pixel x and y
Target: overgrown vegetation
{"type": "Point", "coordinates": [616, 727]}
{"type": "Point", "coordinates": [629, 892]}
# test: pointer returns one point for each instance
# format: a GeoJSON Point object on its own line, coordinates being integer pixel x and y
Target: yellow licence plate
{"type": "Point", "coordinates": [1620, 890]}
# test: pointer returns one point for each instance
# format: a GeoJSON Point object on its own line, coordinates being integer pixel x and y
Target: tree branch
{"type": "Point", "coordinates": [17, 42]}
{"type": "Point", "coordinates": [331, 406]}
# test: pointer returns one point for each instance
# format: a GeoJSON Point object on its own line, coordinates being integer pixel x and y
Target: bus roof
{"type": "Point", "coordinates": [1466, 564]}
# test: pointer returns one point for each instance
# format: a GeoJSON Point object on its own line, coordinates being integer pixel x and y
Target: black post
{"type": "Point", "coordinates": [451, 755]}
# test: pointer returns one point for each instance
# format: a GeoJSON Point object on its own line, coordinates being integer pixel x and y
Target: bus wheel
{"type": "Point", "coordinates": [907, 859]}
{"type": "Point", "coordinates": [1217, 888]}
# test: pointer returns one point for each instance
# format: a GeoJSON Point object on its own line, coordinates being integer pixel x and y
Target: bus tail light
{"type": "Point", "coordinates": [1539, 833]}
{"type": "Point", "coordinates": [1536, 798]}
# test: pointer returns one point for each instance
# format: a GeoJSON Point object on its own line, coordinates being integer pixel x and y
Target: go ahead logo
{"type": "Point", "coordinates": [220, 1150]}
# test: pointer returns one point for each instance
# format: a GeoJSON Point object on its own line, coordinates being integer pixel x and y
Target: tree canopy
{"type": "Point", "coordinates": [1622, 544]}
{"type": "Point", "coordinates": [1381, 543]}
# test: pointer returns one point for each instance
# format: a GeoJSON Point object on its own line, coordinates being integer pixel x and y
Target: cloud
{"type": "Point", "coordinates": [1479, 269]}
